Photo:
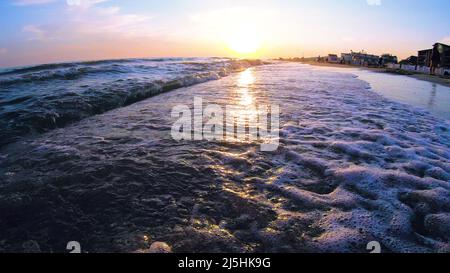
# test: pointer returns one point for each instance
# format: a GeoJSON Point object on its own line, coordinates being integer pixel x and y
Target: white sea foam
{"type": "Point", "coordinates": [352, 167]}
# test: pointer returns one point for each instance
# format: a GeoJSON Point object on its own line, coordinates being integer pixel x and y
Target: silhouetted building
{"type": "Point", "coordinates": [360, 58]}
{"type": "Point", "coordinates": [388, 59]}
{"type": "Point", "coordinates": [332, 58]}
{"type": "Point", "coordinates": [346, 58]}
{"type": "Point", "coordinates": [412, 60]}
{"type": "Point", "coordinates": [424, 56]}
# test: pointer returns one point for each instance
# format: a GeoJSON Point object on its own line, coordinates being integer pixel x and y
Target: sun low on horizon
{"type": "Point", "coordinates": [114, 29]}
{"type": "Point", "coordinates": [244, 42]}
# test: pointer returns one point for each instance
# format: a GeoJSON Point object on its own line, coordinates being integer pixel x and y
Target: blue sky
{"type": "Point", "coordinates": [44, 31]}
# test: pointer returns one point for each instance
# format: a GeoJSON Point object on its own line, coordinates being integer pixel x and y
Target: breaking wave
{"type": "Point", "coordinates": [352, 167]}
{"type": "Point", "coordinates": [39, 98]}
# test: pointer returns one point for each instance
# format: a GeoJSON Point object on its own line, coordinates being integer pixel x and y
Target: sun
{"type": "Point", "coordinates": [244, 42]}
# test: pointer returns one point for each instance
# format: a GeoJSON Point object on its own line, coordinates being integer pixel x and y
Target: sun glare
{"type": "Point", "coordinates": [244, 42]}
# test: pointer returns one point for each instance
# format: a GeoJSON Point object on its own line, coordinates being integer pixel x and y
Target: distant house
{"type": "Point", "coordinates": [412, 60]}
{"type": "Point", "coordinates": [346, 58]}
{"type": "Point", "coordinates": [360, 59]}
{"type": "Point", "coordinates": [388, 59]}
{"type": "Point", "coordinates": [332, 58]}
{"type": "Point", "coordinates": [424, 56]}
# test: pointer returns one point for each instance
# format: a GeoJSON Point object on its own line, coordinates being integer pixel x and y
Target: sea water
{"type": "Point", "coordinates": [352, 167]}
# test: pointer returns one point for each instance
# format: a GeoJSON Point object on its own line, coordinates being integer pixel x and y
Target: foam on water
{"type": "Point", "coordinates": [352, 167]}
{"type": "Point", "coordinates": [40, 98]}
{"type": "Point", "coordinates": [428, 95]}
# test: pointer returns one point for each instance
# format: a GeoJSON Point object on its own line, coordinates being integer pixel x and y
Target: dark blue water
{"type": "Point", "coordinates": [352, 167]}
{"type": "Point", "coordinates": [39, 98]}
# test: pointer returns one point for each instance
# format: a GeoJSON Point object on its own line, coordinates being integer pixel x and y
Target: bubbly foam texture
{"type": "Point", "coordinates": [352, 167]}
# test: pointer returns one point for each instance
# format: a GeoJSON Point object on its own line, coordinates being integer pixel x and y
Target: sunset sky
{"type": "Point", "coordinates": [45, 31]}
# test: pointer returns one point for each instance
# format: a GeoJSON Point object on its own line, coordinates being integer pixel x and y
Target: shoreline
{"type": "Point", "coordinates": [123, 175]}
{"type": "Point", "coordinates": [422, 77]}
{"type": "Point", "coordinates": [93, 102]}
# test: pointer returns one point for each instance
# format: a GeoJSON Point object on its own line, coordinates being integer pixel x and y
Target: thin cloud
{"type": "Point", "coordinates": [88, 21]}
{"type": "Point", "coordinates": [32, 2]}
{"type": "Point", "coordinates": [446, 40]}
{"type": "Point", "coordinates": [108, 20]}
{"type": "Point", "coordinates": [373, 2]}
{"type": "Point", "coordinates": [84, 3]}
{"type": "Point", "coordinates": [36, 32]}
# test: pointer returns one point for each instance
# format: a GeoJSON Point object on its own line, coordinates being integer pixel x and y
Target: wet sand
{"type": "Point", "coordinates": [423, 77]}
{"type": "Point", "coordinates": [427, 95]}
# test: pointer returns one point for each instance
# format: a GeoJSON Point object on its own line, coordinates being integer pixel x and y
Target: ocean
{"type": "Point", "coordinates": [352, 166]}
{"type": "Point", "coordinates": [40, 98]}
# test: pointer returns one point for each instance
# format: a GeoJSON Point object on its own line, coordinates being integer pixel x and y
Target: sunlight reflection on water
{"type": "Point", "coordinates": [245, 80]}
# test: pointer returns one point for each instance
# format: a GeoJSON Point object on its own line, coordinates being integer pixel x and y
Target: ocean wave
{"type": "Point", "coordinates": [40, 67]}
{"type": "Point", "coordinates": [66, 74]}
{"type": "Point", "coordinates": [62, 65]}
{"type": "Point", "coordinates": [352, 167]}
{"type": "Point", "coordinates": [37, 102]}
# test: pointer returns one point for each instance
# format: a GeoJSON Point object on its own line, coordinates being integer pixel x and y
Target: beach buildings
{"type": "Point", "coordinates": [388, 59]}
{"type": "Point", "coordinates": [415, 64]}
{"type": "Point", "coordinates": [333, 58]}
{"type": "Point", "coordinates": [346, 58]}
{"type": "Point", "coordinates": [360, 59]}
{"type": "Point", "coordinates": [422, 62]}
{"type": "Point", "coordinates": [411, 60]}
{"type": "Point", "coordinates": [424, 56]}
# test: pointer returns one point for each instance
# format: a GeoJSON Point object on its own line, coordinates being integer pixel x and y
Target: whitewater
{"type": "Point", "coordinates": [352, 167]}
{"type": "Point", "coordinates": [37, 99]}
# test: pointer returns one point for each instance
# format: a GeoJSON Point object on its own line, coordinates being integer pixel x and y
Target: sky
{"type": "Point", "coordinates": [48, 31]}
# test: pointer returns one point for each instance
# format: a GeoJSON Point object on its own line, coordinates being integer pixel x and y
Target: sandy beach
{"type": "Point", "coordinates": [424, 77]}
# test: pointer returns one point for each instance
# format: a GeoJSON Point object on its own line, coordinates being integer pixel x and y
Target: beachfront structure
{"type": "Point", "coordinates": [412, 60]}
{"type": "Point", "coordinates": [332, 58]}
{"type": "Point", "coordinates": [346, 58]}
{"type": "Point", "coordinates": [414, 65]}
{"type": "Point", "coordinates": [424, 56]}
{"type": "Point", "coordinates": [360, 58]}
{"type": "Point", "coordinates": [388, 59]}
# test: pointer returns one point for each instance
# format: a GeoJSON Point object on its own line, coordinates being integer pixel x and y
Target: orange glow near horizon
{"type": "Point", "coordinates": [256, 29]}
{"type": "Point", "coordinates": [244, 43]}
